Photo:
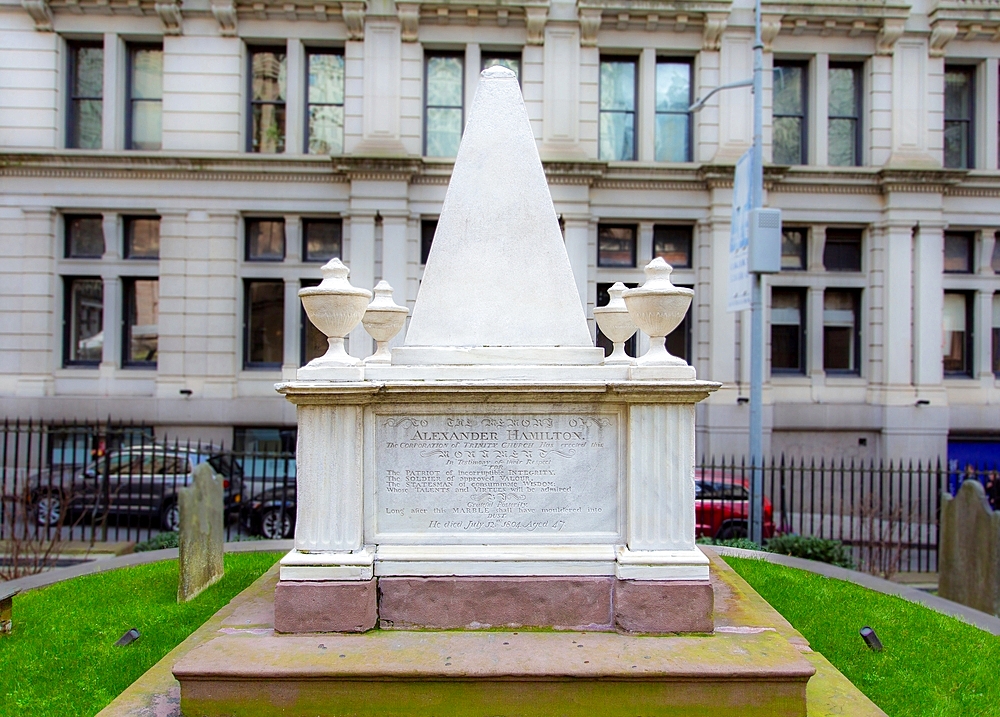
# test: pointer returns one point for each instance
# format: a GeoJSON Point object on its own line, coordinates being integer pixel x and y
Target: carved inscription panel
{"type": "Point", "coordinates": [545, 477]}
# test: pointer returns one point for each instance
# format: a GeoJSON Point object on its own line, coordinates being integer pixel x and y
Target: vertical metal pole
{"type": "Point", "coordinates": [757, 300]}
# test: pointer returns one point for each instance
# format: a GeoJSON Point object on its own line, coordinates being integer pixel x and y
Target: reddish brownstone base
{"type": "Point", "coordinates": [578, 603]}
{"type": "Point", "coordinates": [343, 606]}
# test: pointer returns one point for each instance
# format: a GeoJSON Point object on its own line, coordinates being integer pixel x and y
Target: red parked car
{"type": "Point", "coordinates": [722, 506]}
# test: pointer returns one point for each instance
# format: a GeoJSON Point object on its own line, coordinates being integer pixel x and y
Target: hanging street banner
{"type": "Point", "coordinates": [739, 237]}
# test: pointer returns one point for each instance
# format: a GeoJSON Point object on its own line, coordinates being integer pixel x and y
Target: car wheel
{"type": "Point", "coordinates": [732, 531]}
{"type": "Point", "coordinates": [276, 523]}
{"type": "Point", "coordinates": [48, 509]}
{"type": "Point", "coordinates": [170, 516]}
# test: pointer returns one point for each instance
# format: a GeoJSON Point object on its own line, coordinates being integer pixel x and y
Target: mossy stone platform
{"type": "Point", "coordinates": [754, 664]}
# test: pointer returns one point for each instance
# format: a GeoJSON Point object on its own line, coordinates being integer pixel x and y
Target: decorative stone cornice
{"type": "Point", "coordinates": [891, 30]}
{"type": "Point", "coordinates": [354, 17]}
{"type": "Point", "coordinates": [40, 12]}
{"type": "Point", "coordinates": [971, 20]}
{"type": "Point", "coordinates": [770, 26]}
{"type": "Point", "coordinates": [225, 14]}
{"type": "Point", "coordinates": [831, 17]}
{"type": "Point", "coordinates": [711, 34]}
{"type": "Point", "coordinates": [942, 32]}
{"type": "Point", "coordinates": [590, 24]}
{"type": "Point", "coordinates": [534, 20]}
{"type": "Point", "coordinates": [409, 21]}
{"type": "Point", "coordinates": [170, 16]}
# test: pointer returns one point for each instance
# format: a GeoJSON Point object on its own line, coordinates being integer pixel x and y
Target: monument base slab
{"type": "Point", "coordinates": [644, 606]}
{"type": "Point", "coordinates": [334, 606]}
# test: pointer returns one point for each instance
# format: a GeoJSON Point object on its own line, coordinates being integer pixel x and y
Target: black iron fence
{"type": "Point", "coordinates": [117, 482]}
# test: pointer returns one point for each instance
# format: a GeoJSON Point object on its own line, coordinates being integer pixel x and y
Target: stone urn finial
{"type": "Point", "coordinates": [615, 323]}
{"type": "Point", "coordinates": [335, 308]}
{"type": "Point", "coordinates": [658, 307]}
{"type": "Point", "coordinates": [383, 320]}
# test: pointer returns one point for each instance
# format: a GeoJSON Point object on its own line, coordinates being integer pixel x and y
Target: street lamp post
{"type": "Point", "coordinates": [764, 257]}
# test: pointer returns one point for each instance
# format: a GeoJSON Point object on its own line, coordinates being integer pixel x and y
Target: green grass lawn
{"type": "Point", "coordinates": [61, 659]}
{"type": "Point", "coordinates": [932, 664]}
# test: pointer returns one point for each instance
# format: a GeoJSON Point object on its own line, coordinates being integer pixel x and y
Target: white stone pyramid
{"type": "Point", "coordinates": [498, 276]}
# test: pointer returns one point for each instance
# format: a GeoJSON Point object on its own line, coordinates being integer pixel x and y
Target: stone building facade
{"type": "Point", "coordinates": [171, 174]}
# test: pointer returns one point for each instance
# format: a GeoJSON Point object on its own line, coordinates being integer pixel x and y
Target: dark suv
{"type": "Point", "coordinates": [133, 480]}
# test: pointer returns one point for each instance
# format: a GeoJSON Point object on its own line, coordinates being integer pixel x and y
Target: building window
{"type": "Point", "coordinates": [83, 321]}
{"type": "Point", "coordinates": [844, 125]}
{"type": "Point", "coordinates": [616, 125]}
{"type": "Point", "coordinates": [959, 134]}
{"type": "Point", "coordinates": [142, 237]}
{"type": "Point", "coordinates": [268, 74]}
{"type": "Point", "coordinates": [841, 331]}
{"type": "Point", "coordinates": [265, 239]}
{"type": "Point", "coordinates": [322, 239]}
{"type": "Point", "coordinates": [679, 340]}
{"type": "Point", "coordinates": [313, 342]}
{"type": "Point", "coordinates": [995, 258]}
{"type": "Point", "coordinates": [673, 121]}
{"type": "Point", "coordinates": [957, 333]}
{"type": "Point", "coordinates": [263, 440]}
{"type": "Point", "coordinates": [958, 252]}
{"type": "Point", "coordinates": [616, 245]}
{"type": "Point", "coordinates": [789, 113]}
{"type": "Point", "coordinates": [673, 245]}
{"type": "Point", "coordinates": [141, 314]}
{"type": "Point", "coordinates": [264, 324]}
{"type": "Point", "coordinates": [86, 95]}
{"type": "Point", "coordinates": [143, 126]}
{"type": "Point", "coordinates": [325, 110]}
{"type": "Point", "coordinates": [444, 92]}
{"type": "Point", "coordinates": [787, 331]}
{"type": "Point", "coordinates": [793, 249]}
{"type": "Point", "coordinates": [427, 229]}
{"type": "Point", "coordinates": [996, 334]}
{"type": "Point", "coordinates": [842, 250]}
{"type": "Point", "coordinates": [510, 60]}
{"type": "Point", "coordinates": [84, 237]}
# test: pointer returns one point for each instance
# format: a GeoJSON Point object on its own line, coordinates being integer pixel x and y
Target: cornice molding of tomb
{"type": "Point", "coordinates": [239, 167]}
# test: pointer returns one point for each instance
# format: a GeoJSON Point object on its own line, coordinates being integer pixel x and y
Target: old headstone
{"type": "Point", "coordinates": [201, 533]}
{"type": "Point", "coordinates": [969, 561]}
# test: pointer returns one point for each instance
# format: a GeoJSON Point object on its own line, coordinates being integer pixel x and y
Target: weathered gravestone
{"type": "Point", "coordinates": [969, 561]}
{"type": "Point", "coordinates": [201, 534]}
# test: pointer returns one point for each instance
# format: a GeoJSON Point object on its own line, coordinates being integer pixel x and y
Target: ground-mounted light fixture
{"type": "Point", "coordinates": [871, 639]}
{"type": "Point", "coordinates": [128, 638]}
{"type": "Point", "coordinates": [7, 610]}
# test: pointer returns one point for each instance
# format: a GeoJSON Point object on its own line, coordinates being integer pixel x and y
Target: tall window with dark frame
{"type": "Point", "coordinates": [140, 317]}
{"type": "Point", "coordinates": [142, 237]}
{"type": "Point", "coordinates": [312, 342]}
{"type": "Point", "coordinates": [959, 108]}
{"type": "Point", "coordinates": [264, 318]}
{"type": "Point", "coordinates": [322, 239]}
{"type": "Point", "coordinates": [957, 339]}
{"type": "Point", "coordinates": [673, 245]}
{"type": "Point", "coordinates": [789, 144]}
{"type": "Point", "coordinates": [793, 248]}
{"type": "Point", "coordinates": [325, 102]}
{"type": "Point", "coordinates": [996, 334]}
{"type": "Point", "coordinates": [268, 76]}
{"type": "Point", "coordinates": [787, 331]}
{"type": "Point", "coordinates": [958, 252]}
{"type": "Point", "coordinates": [427, 229]}
{"type": "Point", "coordinates": [144, 123]}
{"type": "Point", "coordinates": [85, 107]}
{"type": "Point", "coordinates": [510, 60]}
{"type": "Point", "coordinates": [444, 93]}
{"type": "Point", "coordinates": [616, 245]}
{"type": "Point", "coordinates": [673, 121]}
{"type": "Point", "coordinates": [842, 250]}
{"type": "Point", "coordinates": [265, 240]}
{"type": "Point", "coordinates": [617, 115]}
{"type": "Point", "coordinates": [841, 331]}
{"type": "Point", "coordinates": [84, 236]}
{"type": "Point", "coordinates": [83, 321]}
{"type": "Point", "coordinates": [678, 341]}
{"type": "Point", "coordinates": [844, 116]}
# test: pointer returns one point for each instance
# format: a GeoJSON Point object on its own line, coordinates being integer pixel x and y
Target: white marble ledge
{"type": "Point", "coordinates": [341, 392]}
